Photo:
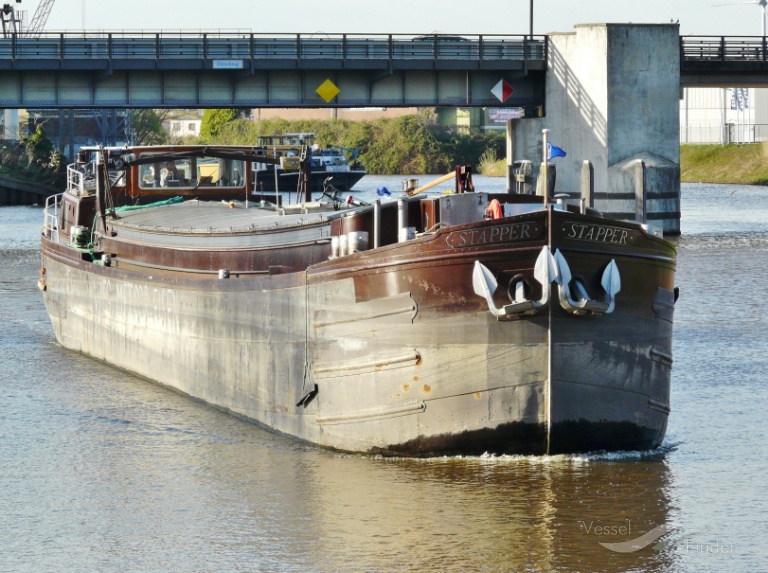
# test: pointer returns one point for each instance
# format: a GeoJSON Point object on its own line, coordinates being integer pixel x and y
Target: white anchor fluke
{"type": "Point", "coordinates": [563, 276]}
{"type": "Point", "coordinates": [485, 284]}
{"type": "Point", "coordinates": [483, 280]}
{"type": "Point", "coordinates": [545, 270]}
{"type": "Point", "coordinates": [611, 280]}
{"type": "Point", "coordinates": [582, 303]}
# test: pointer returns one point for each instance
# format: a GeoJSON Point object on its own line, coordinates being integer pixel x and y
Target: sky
{"type": "Point", "coordinates": [696, 17]}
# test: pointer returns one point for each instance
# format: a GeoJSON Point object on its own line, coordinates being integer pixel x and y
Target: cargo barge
{"type": "Point", "coordinates": [463, 323]}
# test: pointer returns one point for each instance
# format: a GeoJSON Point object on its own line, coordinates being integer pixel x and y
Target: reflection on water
{"type": "Point", "coordinates": [106, 472]}
{"type": "Point", "coordinates": [486, 514]}
{"type": "Point", "coordinates": [112, 470]}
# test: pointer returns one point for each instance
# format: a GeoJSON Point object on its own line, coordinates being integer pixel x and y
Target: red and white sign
{"type": "Point", "coordinates": [502, 90]}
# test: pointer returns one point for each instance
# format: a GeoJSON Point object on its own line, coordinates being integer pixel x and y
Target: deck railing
{"type": "Point", "coordinates": [51, 217]}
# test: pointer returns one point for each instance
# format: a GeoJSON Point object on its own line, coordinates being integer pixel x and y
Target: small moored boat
{"type": "Point", "coordinates": [339, 163]}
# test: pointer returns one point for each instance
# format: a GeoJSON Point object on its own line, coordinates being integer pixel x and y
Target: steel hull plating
{"type": "Point", "coordinates": [407, 393]}
{"type": "Point", "coordinates": [389, 351]}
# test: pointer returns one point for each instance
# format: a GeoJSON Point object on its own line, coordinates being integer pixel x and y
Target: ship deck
{"type": "Point", "coordinates": [221, 217]}
{"type": "Point", "coordinates": [220, 223]}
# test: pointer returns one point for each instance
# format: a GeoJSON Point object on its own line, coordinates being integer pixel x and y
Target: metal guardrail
{"type": "Point", "coordinates": [250, 46]}
{"type": "Point", "coordinates": [723, 49]}
{"type": "Point", "coordinates": [144, 45]}
{"type": "Point", "coordinates": [51, 214]}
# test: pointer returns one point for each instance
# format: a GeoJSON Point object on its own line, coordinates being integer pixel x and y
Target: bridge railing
{"type": "Point", "coordinates": [723, 49]}
{"type": "Point", "coordinates": [219, 46]}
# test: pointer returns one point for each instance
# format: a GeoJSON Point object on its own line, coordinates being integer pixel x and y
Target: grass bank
{"type": "Point", "coordinates": [745, 164]}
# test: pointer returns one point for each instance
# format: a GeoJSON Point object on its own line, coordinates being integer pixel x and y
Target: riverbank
{"type": "Point", "coordinates": [15, 192]}
{"type": "Point", "coordinates": [744, 164]}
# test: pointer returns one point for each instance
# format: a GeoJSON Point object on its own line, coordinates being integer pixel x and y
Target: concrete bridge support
{"type": "Point", "coordinates": [612, 98]}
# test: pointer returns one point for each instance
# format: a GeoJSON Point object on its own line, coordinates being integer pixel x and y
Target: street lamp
{"type": "Point", "coordinates": [530, 12]}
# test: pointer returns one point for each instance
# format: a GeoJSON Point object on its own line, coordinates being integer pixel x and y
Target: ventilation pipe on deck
{"type": "Point", "coordinates": [587, 186]}
{"type": "Point", "coordinates": [548, 172]}
{"type": "Point", "coordinates": [641, 193]}
{"type": "Point", "coordinates": [512, 186]}
{"type": "Point", "coordinates": [402, 220]}
{"type": "Point", "coordinates": [523, 177]}
{"type": "Point", "coordinates": [357, 241]}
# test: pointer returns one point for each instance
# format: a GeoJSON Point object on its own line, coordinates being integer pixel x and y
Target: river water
{"type": "Point", "coordinates": [102, 471]}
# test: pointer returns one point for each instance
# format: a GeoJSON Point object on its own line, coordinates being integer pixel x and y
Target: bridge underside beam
{"type": "Point", "coordinates": [157, 88]}
{"type": "Point", "coordinates": [723, 80]}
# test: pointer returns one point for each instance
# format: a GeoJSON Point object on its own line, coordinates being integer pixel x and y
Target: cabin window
{"type": "Point", "coordinates": [220, 172]}
{"type": "Point", "coordinates": [192, 172]}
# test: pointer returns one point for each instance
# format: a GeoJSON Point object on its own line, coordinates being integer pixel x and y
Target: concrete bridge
{"type": "Point", "coordinates": [721, 61]}
{"type": "Point", "coordinates": [253, 70]}
{"type": "Point", "coordinates": [608, 93]}
{"type": "Point", "coordinates": [142, 69]}
{"type": "Point", "coordinates": [612, 98]}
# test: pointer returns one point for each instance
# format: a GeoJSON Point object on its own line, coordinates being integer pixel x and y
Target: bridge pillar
{"type": "Point", "coordinates": [612, 98]}
{"type": "Point", "coordinates": [10, 124]}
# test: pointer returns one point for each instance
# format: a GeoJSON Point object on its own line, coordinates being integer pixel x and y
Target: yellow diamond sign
{"type": "Point", "coordinates": [327, 91]}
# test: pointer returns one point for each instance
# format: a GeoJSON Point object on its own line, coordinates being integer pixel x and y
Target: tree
{"type": "Point", "coordinates": [214, 121]}
{"type": "Point", "coordinates": [404, 145]}
{"type": "Point", "coordinates": [39, 147]}
{"type": "Point", "coordinates": [147, 126]}
{"type": "Point", "coordinates": [237, 132]}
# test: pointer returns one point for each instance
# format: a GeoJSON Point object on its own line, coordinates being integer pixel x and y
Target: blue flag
{"type": "Point", "coordinates": [554, 151]}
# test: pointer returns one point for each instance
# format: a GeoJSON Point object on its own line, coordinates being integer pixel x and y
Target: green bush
{"type": "Point", "coordinates": [406, 145]}
{"type": "Point", "coordinates": [33, 159]}
{"type": "Point", "coordinates": [39, 147]}
{"type": "Point", "coordinates": [214, 121]}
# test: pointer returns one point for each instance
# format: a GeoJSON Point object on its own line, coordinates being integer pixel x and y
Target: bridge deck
{"type": "Point", "coordinates": [260, 50]}
{"type": "Point", "coordinates": [152, 69]}
{"type": "Point", "coordinates": [723, 61]}
{"type": "Point", "coordinates": [181, 69]}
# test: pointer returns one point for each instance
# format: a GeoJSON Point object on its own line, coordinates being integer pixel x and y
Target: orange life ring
{"type": "Point", "coordinates": [494, 210]}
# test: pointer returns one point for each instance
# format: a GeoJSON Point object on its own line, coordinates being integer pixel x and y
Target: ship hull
{"type": "Point", "coordinates": [390, 351]}
{"type": "Point", "coordinates": [404, 395]}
